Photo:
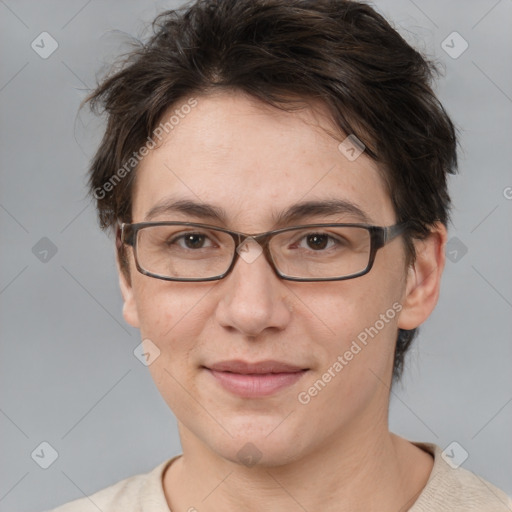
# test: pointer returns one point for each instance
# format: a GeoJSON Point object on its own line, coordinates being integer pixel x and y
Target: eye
{"type": "Point", "coordinates": [319, 241]}
{"type": "Point", "coordinates": [190, 241]}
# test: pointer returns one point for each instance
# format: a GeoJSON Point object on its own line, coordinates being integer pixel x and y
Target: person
{"type": "Point", "coordinates": [275, 173]}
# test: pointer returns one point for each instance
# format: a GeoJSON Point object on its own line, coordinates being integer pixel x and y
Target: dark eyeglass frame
{"type": "Point", "coordinates": [379, 237]}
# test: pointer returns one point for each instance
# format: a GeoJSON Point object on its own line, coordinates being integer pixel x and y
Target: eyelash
{"type": "Point", "coordinates": [182, 236]}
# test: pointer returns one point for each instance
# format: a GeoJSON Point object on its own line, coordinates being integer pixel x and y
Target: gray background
{"type": "Point", "coordinates": [68, 373]}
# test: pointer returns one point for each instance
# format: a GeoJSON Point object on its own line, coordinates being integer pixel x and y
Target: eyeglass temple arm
{"type": "Point", "coordinates": [125, 233]}
{"type": "Point", "coordinates": [393, 231]}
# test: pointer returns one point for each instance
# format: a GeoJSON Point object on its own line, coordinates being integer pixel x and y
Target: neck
{"type": "Point", "coordinates": [351, 472]}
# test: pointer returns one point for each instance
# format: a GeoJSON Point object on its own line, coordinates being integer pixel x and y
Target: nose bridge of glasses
{"type": "Point", "coordinates": [243, 241]}
{"type": "Point", "coordinates": [250, 247]}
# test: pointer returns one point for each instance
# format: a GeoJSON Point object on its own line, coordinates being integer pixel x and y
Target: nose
{"type": "Point", "coordinates": [252, 297]}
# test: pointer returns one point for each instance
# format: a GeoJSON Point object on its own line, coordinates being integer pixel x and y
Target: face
{"type": "Point", "coordinates": [254, 162]}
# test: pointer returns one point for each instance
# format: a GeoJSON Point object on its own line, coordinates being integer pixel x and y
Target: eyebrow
{"type": "Point", "coordinates": [292, 215]}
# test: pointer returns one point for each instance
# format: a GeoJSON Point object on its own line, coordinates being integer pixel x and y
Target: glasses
{"type": "Point", "coordinates": [188, 251]}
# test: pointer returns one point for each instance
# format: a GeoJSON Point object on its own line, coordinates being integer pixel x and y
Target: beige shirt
{"type": "Point", "coordinates": [447, 490]}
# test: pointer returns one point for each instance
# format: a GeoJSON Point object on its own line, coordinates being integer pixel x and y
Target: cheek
{"type": "Point", "coordinates": [344, 310]}
{"type": "Point", "coordinates": [165, 309]}
{"type": "Point", "coordinates": [355, 361]}
{"type": "Point", "coordinates": [170, 316]}
{"type": "Point", "coordinates": [349, 385]}
{"type": "Point", "coordinates": [357, 328]}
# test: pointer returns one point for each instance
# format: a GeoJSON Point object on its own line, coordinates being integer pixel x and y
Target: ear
{"type": "Point", "coordinates": [423, 280]}
{"type": "Point", "coordinates": [130, 313]}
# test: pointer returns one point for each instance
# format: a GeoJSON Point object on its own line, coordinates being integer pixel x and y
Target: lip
{"type": "Point", "coordinates": [243, 367]}
{"type": "Point", "coordinates": [259, 379]}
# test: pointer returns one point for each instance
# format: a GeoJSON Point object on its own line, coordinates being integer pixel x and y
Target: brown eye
{"type": "Point", "coordinates": [190, 241]}
{"type": "Point", "coordinates": [317, 241]}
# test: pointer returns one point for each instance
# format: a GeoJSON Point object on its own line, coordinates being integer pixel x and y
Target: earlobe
{"type": "Point", "coordinates": [424, 279]}
{"type": "Point", "coordinates": [130, 313]}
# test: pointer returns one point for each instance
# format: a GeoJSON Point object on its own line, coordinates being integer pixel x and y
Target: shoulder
{"type": "Point", "coordinates": [138, 493]}
{"type": "Point", "coordinates": [455, 489]}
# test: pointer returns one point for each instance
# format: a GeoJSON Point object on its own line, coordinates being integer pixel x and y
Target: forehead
{"type": "Point", "coordinates": [252, 161]}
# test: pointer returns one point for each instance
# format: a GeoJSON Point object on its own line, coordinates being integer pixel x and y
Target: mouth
{"type": "Point", "coordinates": [249, 380]}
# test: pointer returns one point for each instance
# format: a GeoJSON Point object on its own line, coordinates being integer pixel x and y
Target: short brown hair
{"type": "Point", "coordinates": [286, 52]}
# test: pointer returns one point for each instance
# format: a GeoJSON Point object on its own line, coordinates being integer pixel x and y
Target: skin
{"type": "Point", "coordinates": [326, 455]}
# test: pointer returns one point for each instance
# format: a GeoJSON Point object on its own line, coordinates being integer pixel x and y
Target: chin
{"type": "Point", "coordinates": [263, 445]}
{"type": "Point", "coordinates": [260, 453]}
